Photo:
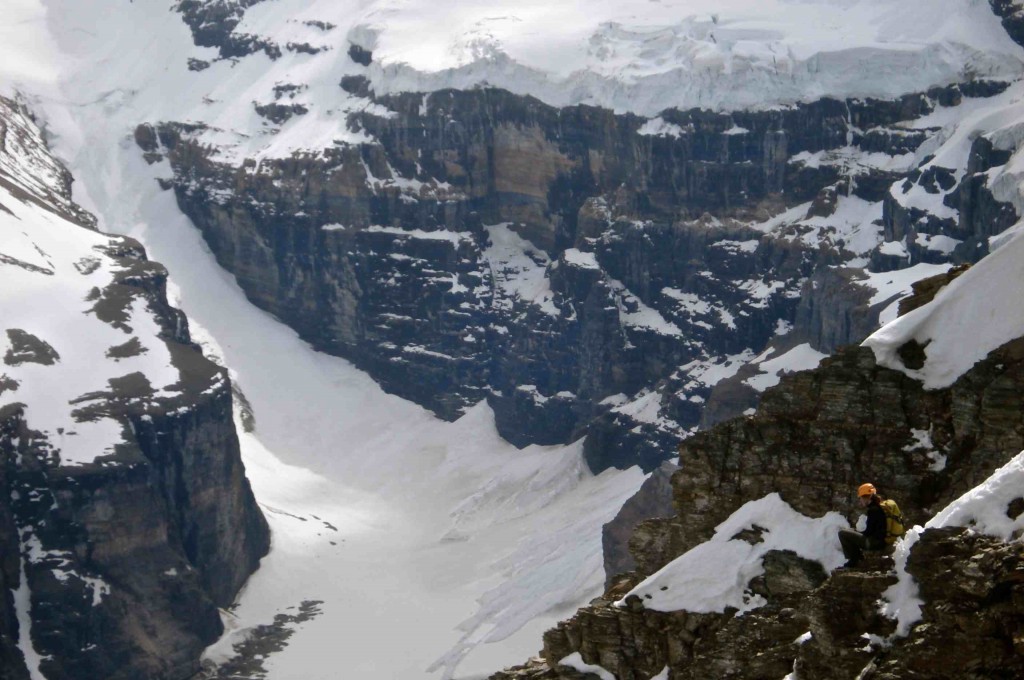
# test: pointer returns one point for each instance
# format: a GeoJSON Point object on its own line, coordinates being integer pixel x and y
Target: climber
{"type": "Point", "coordinates": [875, 534]}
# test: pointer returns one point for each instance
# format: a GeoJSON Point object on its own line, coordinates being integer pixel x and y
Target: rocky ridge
{"type": "Point", "coordinates": [126, 519]}
{"type": "Point", "coordinates": [813, 438]}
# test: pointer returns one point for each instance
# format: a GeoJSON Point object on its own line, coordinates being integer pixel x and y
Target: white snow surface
{"type": "Point", "coordinates": [647, 56]}
{"type": "Point", "coordinates": [48, 269]}
{"type": "Point", "coordinates": [896, 285]}
{"type": "Point", "coordinates": [453, 237]}
{"type": "Point", "coordinates": [445, 531]}
{"type": "Point", "coordinates": [800, 358]}
{"type": "Point", "coordinates": [970, 317]}
{"type": "Point", "coordinates": [710, 373]}
{"type": "Point", "coordinates": [645, 407]}
{"type": "Point", "coordinates": [575, 660]}
{"type": "Point", "coordinates": [633, 312]}
{"type": "Point", "coordinates": [641, 56]}
{"type": "Point", "coordinates": [984, 508]}
{"type": "Point", "coordinates": [714, 575]}
{"type": "Point", "coordinates": [581, 259]}
{"type": "Point", "coordinates": [518, 269]}
{"type": "Point", "coordinates": [852, 225]}
{"type": "Point", "coordinates": [659, 127]}
{"type": "Point", "coordinates": [23, 614]}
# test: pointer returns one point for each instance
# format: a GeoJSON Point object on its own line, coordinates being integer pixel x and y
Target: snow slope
{"type": "Point", "coordinates": [60, 352]}
{"type": "Point", "coordinates": [641, 56]}
{"type": "Point", "coordinates": [647, 56]}
{"type": "Point", "coordinates": [800, 358]}
{"type": "Point", "coordinates": [714, 575]}
{"type": "Point", "coordinates": [984, 509]}
{"type": "Point", "coordinates": [975, 314]}
{"type": "Point", "coordinates": [442, 529]}
{"type": "Point", "coordinates": [428, 544]}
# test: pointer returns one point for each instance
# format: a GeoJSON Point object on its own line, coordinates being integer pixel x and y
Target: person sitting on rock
{"type": "Point", "coordinates": [873, 537]}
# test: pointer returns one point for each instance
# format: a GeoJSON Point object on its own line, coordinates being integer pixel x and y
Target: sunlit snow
{"type": "Point", "coordinates": [439, 535]}
{"type": "Point", "coordinates": [715, 574]}
{"type": "Point", "coordinates": [800, 358]}
{"type": "Point", "coordinates": [968, 318]}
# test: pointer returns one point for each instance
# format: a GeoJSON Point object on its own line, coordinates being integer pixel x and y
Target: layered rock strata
{"type": "Point", "coordinates": [563, 262]}
{"type": "Point", "coordinates": [114, 560]}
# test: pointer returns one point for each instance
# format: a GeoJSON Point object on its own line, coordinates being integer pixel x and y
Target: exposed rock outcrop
{"type": "Point", "coordinates": [973, 613]}
{"type": "Point", "coordinates": [814, 437]}
{"type": "Point", "coordinates": [821, 431]}
{"type": "Point", "coordinates": [625, 248]}
{"type": "Point", "coordinates": [830, 629]}
{"type": "Point", "coordinates": [213, 24]}
{"type": "Point", "coordinates": [116, 550]}
{"type": "Point", "coordinates": [654, 499]}
{"type": "Point", "coordinates": [925, 290]}
{"type": "Point", "coordinates": [1012, 14]}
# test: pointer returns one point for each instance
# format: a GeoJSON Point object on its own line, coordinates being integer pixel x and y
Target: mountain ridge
{"type": "Point", "coordinates": [127, 518]}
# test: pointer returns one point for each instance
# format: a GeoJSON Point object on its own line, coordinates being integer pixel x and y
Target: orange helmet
{"type": "Point", "coordinates": [866, 489]}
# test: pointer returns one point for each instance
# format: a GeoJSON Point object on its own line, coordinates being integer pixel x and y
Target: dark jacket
{"type": "Point", "coordinates": [876, 530]}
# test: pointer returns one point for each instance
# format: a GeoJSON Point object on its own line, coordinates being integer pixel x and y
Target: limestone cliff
{"type": "Point", "coordinates": [126, 519]}
{"type": "Point", "coordinates": [564, 263]}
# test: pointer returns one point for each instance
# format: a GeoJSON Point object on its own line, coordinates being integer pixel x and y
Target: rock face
{"type": "Point", "coordinates": [818, 627]}
{"type": "Point", "coordinates": [565, 263]}
{"type": "Point", "coordinates": [925, 290]}
{"type": "Point", "coordinates": [821, 432]}
{"type": "Point", "coordinates": [813, 439]}
{"type": "Point", "coordinates": [113, 561]}
{"type": "Point", "coordinates": [213, 25]}
{"type": "Point", "coordinates": [654, 499]}
{"type": "Point", "coordinates": [1012, 14]}
{"type": "Point", "coordinates": [973, 589]}
{"type": "Point", "coordinates": [10, 577]}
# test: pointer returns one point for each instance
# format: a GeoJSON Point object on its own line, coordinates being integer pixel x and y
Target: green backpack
{"type": "Point", "coordinates": [893, 521]}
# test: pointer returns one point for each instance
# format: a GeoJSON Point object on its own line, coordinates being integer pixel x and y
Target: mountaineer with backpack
{"type": "Point", "coordinates": [884, 526]}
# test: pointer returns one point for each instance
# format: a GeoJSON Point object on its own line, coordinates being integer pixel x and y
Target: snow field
{"type": "Point", "coordinates": [519, 270]}
{"type": "Point", "coordinates": [800, 358]}
{"type": "Point", "coordinates": [648, 56]}
{"type": "Point", "coordinates": [457, 540]}
{"type": "Point", "coordinates": [637, 56]}
{"type": "Point", "coordinates": [896, 285]}
{"type": "Point", "coordinates": [448, 539]}
{"type": "Point", "coordinates": [50, 259]}
{"type": "Point", "coordinates": [969, 318]}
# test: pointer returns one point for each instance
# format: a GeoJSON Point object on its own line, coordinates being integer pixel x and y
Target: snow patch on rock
{"type": "Point", "coordinates": [968, 319]}
{"type": "Point", "coordinates": [801, 358]}
{"type": "Point", "coordinates": [714, 575]}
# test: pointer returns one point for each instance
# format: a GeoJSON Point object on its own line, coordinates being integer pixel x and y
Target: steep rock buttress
{"type": "Point", "coordinates": [126, 518]}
